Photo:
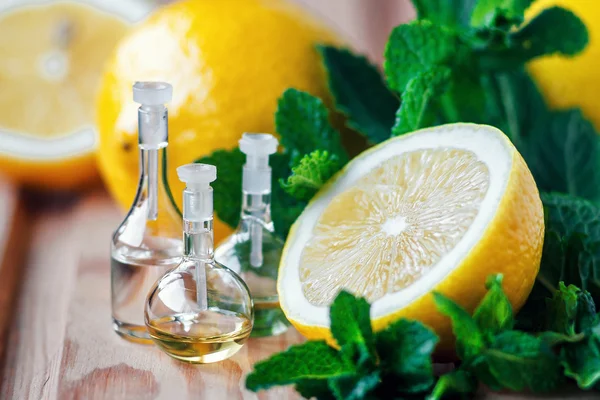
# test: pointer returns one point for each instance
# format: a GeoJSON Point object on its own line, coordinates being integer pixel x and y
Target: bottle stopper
{"type": "Point", "coordinates": [257, 174]}
{"type": "Point", "coordinates": [152, 93]}
{"type": "Point", "coordinates": [152, 114]}
{"type": "Point", "coordinates": [198, 195]}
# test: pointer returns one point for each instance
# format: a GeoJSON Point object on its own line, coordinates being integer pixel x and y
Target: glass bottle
{"type": "Point", "coordinates": [147, 243]}
{"type": "Point", "coordinates": [201, 311]}
{"type": "Point", "coordinates": [254, 250]}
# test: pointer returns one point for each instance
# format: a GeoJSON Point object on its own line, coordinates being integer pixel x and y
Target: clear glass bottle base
{"type": "Point", "coordinates": [201, 338]}
{"type": "Point", "coordinates": [130, 284]}
{"type": "Point", "coordinates": [133, 333]}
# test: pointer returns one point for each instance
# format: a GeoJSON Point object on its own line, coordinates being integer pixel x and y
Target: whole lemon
{"type": "Point", "coordinates": [228, 62]}
{"type": "Point", "coordinates": [572, 81]}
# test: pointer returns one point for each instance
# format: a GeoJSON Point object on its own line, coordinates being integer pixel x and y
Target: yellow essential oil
{"type": "Point", "coordinates": [207, 337]}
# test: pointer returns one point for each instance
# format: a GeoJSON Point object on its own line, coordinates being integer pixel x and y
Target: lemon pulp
{"type": "Point", "coordinates": [52, 58]}
{"type": "Point", "coordinates": [393, 225]}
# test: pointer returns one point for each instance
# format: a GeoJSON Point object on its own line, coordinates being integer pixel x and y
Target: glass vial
{"type": "Point", "coordinates": [148, 241]}
{"type": "Point", "coordinates": [254, 250]}
{"type": "Point", "coordinates": [201, 311]}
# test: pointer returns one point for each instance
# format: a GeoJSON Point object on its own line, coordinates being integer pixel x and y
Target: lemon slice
{"type": "Point", "coordinates": [439, 209]}
{"type": "Point", "coordinates": [51, 59]}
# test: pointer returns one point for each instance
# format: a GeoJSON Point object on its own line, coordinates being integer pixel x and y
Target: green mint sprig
{"type": "Point", "coordinates": [574, 327]}
{"type": "Point", "coordinates": [570, 254]}
{"type": "Point", "coordinates": [312, 153]}
{"type": "Point", "coordinates": [495, 354]}
{"type": "Point", "coordinates": [310, 174]}
{"type": "Point", "coordinates": [397, 361]}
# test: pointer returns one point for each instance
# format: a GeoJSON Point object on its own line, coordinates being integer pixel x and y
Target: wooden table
{"type": "Point", "coordinates": [60, 344]}
{"type": "Point", "coordinates": [55, 331]}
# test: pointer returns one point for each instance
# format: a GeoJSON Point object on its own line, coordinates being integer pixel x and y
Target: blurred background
{"type": "Point", "coordinates": [56, 56]}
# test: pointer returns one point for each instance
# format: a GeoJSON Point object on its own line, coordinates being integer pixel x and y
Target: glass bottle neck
{"type": "Point", "coordinates": [256, 206]}
{"type": "Point", "coordinates": [152, 162]}
{"type": "Point", "coordinates": [198, 240]}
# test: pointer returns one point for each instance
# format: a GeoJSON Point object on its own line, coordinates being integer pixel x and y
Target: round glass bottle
{"type": "Point", "coordinates": [201, 311]}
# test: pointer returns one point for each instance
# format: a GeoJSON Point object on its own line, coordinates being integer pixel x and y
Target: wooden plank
{"type": "Point", "coordinates": [37, 333]}
{"type": "Point", "coordinates": [13, 244]}
{"type": "Point", "coordinates": [63, 346]}
{"type": "Point", "coordinates": [98, 363]}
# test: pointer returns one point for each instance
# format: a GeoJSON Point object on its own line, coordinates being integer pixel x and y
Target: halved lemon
{"type": "Point", "coordinates": [51, 58]}
{"type": "Point", "coordinates": [439, 209]}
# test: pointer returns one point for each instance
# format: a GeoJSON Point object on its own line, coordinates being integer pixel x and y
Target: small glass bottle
{"type": "Point", "coordinates": [254, 250]}
{"type": "Point", "coordinates": [147, 243]}
{"type": "Point", "coordinates": [201, 311]}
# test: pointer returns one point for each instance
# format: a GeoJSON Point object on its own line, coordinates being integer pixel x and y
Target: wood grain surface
{"type": "Point", "coordinates": [61, 345]}
{"type": "Point", "coordinates": [13, 242]}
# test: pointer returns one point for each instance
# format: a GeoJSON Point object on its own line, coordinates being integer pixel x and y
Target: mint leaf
{"type": "Point", "coordinates": [487, 12]}
{"type": "Point", "coordinates": [560, 262]}
{"type": "Point", "coordinates": [570, 254]}
{"type": "Point", "coordinates": [553, 339]}
{"type": "Point", "coordinates": [469, 339]}
{"type": "Point", "coordinates": [574, 255]}
{"type": "Point", "coordinates": [562, 309]}
{"type": "Point", "coordinates": [360, 92]}
{"type": "Point", "coordinates": [512, 48]}
{"type": "Point", "coordinates": [456, 383]}
{"type": "Point", "coordinates": [494, 314]}
{"type": "Point", "coordinates": [481, 370]}
{"type": "Point", "coordinates": [572, 313]}
{"type": "Point", "coordinates": [319, 388]}
{"type": "Point", "coordinates": [515, 105]}
{"type": "Point", "coordinates": [351, 328]}
{"type": "Point", "coordinates": [564, 155]}
{"type": "Point", "coordinates": [455, 12]}
{"type": "Point", "coordinates": [416, 47]}
{"type": "Point", "coordinates": [311, 360]}
{"type": "Point", "coordinates": [519, 361]}
{"type": "Point", "coordinates": [405, 349]}
{"type": "Point", "coordinates": [227, 188]}
{"type": "Point", "coordinates": [581, 361]}
{"type": "Point", "coordinates": [541, 36]}
{"type": "Point", "coordinates": [285, 209]}
{"type": "Point", "coordinates": [302, 121]}
{"type": "Point", "coordinates": [586, 319]}
{"type": "Point", "coordinates": [355, 387]}
{"type": "Point", "coordinates": [465, 99]}
{"type": "Point", "coordinates": [418, 99]}
{"type": "Point", "coordinates": [310, 174]}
